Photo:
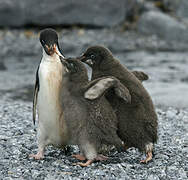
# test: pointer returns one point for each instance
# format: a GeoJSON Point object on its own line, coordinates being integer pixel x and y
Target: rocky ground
{"type": "Point", "coordinates": [18, 140]}
{"type": "Point", "coordinates": [165, 62]}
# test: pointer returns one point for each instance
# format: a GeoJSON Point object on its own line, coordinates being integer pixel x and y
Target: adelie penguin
{"type": "Point", "coordinates": [90, 119]}
{"type": "Point", "coordinates": [138, 120]}
{"type": "Point", "coordinates": [47, 95]}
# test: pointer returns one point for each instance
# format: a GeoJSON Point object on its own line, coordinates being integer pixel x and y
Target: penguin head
{"type": "Point", "coordinates": [96, 56]}
{"type": "Point", "coordinates": [75, 69]}
{"type": "Point", "coordinates": [49, 41]}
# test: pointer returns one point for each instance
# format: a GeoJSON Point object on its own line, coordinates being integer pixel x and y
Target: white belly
{"type": "Point", "coordinates": [52, 128]}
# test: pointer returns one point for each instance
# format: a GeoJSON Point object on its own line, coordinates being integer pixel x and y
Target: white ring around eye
{"type": "Point", "coordinates": [92, 56]}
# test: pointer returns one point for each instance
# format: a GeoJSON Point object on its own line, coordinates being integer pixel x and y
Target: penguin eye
{"type": "Point", "coordinates": [92, 56]}
{"type": "Point", "coordinates": [42, 41]}
{"type": "Point", "coordinates": [72, 65]}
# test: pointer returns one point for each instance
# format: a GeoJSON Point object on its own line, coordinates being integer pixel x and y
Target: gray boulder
{"type": "Point", "coordinates": [182, 10]}
{"type": "Point", "coordinates": [12, 13]}
{"type": "Point", "coordinates": [105, 13]}
{"type": "Point", "coordinates": [162, 25]}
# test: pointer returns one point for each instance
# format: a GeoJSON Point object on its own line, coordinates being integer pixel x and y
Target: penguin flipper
{"type": "Point", "coordinates": [36, 90]}
{"type": "Point", "coordinates": [141, 75]}
{"type": "Point", "coordinates": [98, 87]}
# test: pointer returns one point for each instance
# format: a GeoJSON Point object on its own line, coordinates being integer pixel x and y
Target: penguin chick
{"type": "Point", "coordinates": [51, 125]}
{"type": "Point", "coordinates": [91, 121]}
{"type": "Point", "coordinates": [138, 120]}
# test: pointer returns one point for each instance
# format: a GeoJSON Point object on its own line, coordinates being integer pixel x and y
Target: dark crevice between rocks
{"type": "Point", "coordinates": [61, 26]}
{"type": "Point", "coordinates": [163, 6]}
{"type": "Point", "coordinates": [2, 66]}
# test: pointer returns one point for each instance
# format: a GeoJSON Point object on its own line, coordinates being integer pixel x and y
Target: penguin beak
{"type": "Point", "coordinates": [89, 62]}
{"type": "Point", "coordinates": [50, 50]}
{"type": "Point", "coordinates": [85, 60]}
{"type": "Point", "coordinates": [82, 58]}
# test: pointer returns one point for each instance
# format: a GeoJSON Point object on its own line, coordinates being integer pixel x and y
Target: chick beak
{"type": "Point", "coordinates": [85, 60]}
{"type": "Point", "coordinates": [82, 58]}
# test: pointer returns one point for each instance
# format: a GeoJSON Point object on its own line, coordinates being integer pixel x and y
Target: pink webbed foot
{"type": "Point", "coordinates": [148, 158]}
{"type": "Point", "coordinates": [79, 157]}
{"type": "Point", "coordinates": [87, 163]}
{"type": "Point", "coordinates": [100, 157]}
{"type": "Point", "coordinates": [38, 156]}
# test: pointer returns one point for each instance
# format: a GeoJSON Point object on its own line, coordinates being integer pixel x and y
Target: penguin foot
{"type": "Point", "coordinates": [126, 147]}
{"type": "Point", "coordinates": [38, 156]}
{"type": "Point", "coordinates": [101, 157]}
{"type": "Point", "coordinates": [79, 157]}
{"type": "Point", "coordinates": [148, 158]}
{"type": "Point", "coordinates": [87, 163]}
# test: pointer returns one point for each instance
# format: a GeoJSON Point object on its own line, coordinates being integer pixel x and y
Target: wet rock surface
{"type": "Point", "coordinates": [18, 140]}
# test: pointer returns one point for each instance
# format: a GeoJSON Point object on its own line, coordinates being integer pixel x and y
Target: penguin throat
{"type": "Point", "coordinates": [53, 57]}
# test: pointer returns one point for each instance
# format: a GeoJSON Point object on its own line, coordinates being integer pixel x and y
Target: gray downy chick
{"type": "Point", "coordinates": [138, 120]}
{"type": "Point", "coordinates": [90, 119]}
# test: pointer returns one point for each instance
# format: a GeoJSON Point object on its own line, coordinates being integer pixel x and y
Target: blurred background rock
{"type": "Point", "coordinates": [148, 35]}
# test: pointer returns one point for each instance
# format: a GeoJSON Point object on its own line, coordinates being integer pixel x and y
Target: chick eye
{"type": "Point", "coordinates": [92, 56]}
{"type": "Point", "coordinates": [72, 65]}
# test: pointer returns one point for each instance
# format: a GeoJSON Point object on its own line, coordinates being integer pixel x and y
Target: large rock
{"type": "Point", "coordinates": [65, 12]}
{"type": "Point", "coordinates": [162, 25]}
{"type": "Point", "coordinates": [178, 8]}
{"type": "Point", "coordinates": [12, 13]}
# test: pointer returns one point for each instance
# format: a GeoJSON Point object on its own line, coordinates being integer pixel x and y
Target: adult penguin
{"type": "Point", "coordinates": [137, 120]}
{"type": "Point", "coordinates": [47, 95]}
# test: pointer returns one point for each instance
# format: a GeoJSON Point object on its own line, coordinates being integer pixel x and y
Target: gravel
{"type": "Point", "coordinates": [18, 140]}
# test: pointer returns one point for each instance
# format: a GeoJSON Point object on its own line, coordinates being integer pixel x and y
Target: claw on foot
{"type": "Point", "coordinates": [87, 163]}
{"type": "Point", "coordinates": [125, 147]}
{"type": "Point", "coordinates": [37, 156]}
{"type": "Point", "coordinates": [79, 157]}
{"type": "Point", "coordinates": [148, 158]}
{"type": "Point", "coordinates": [101, 157]}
